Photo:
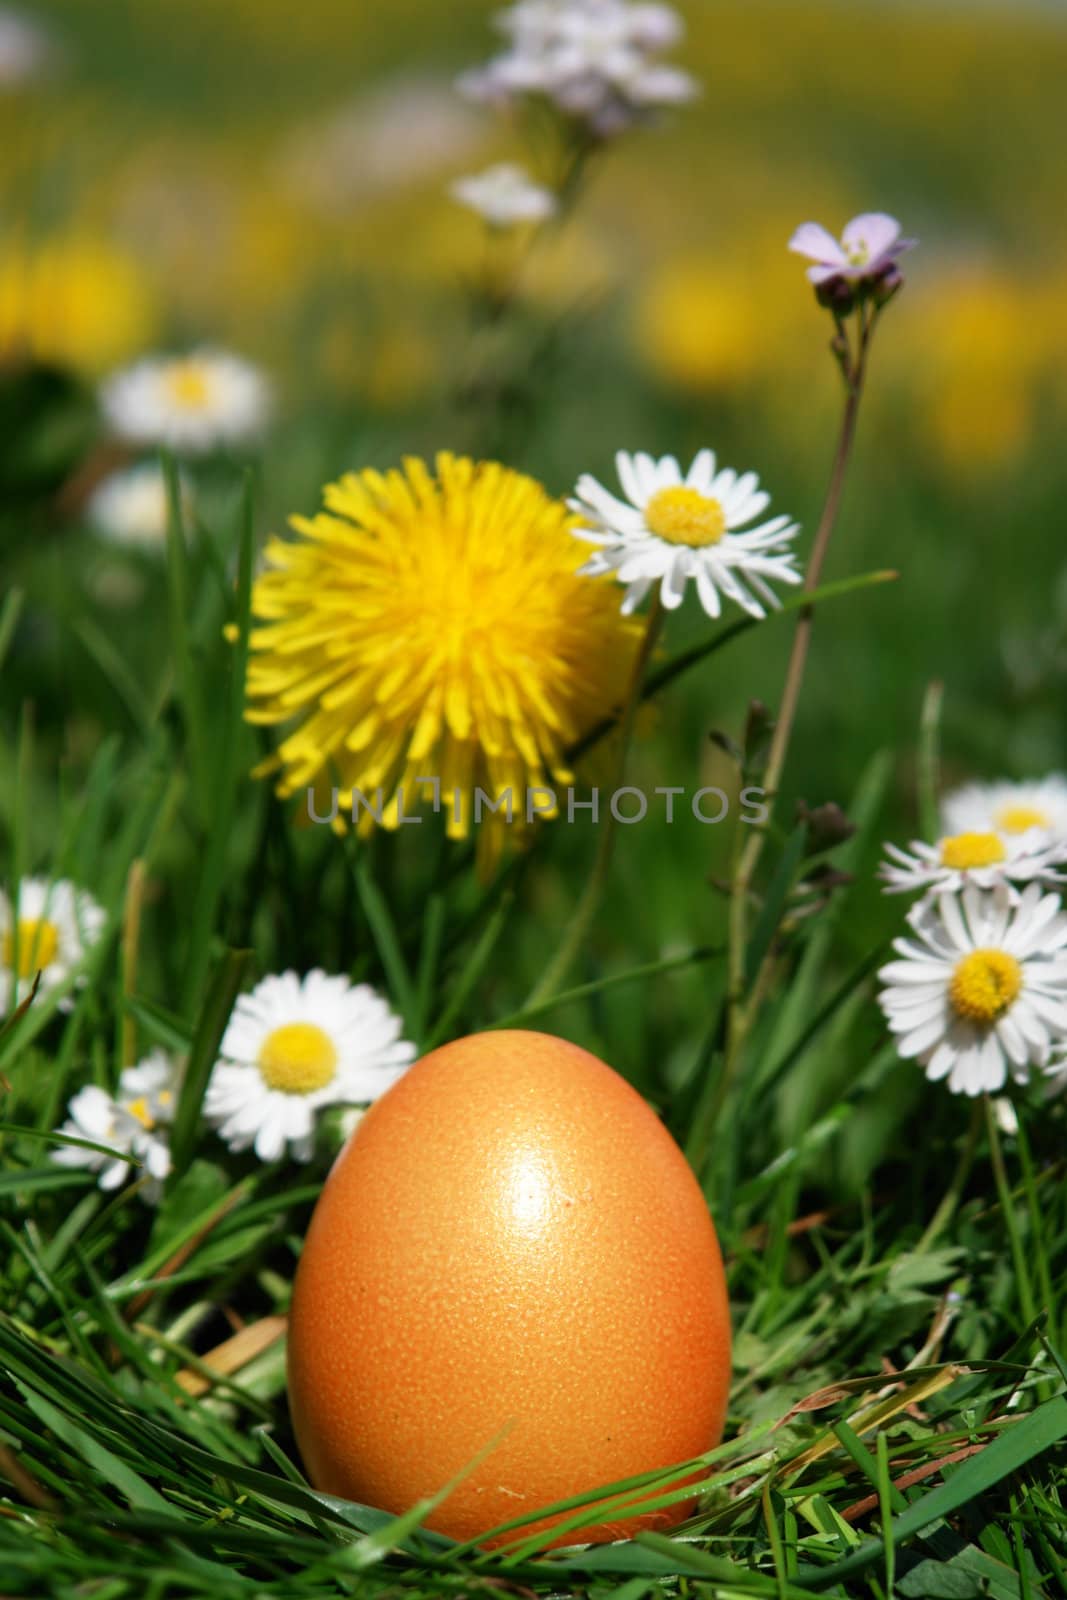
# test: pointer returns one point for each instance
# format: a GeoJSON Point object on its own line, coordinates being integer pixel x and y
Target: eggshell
{"type": "Point", "coordinates": [509, 1237]}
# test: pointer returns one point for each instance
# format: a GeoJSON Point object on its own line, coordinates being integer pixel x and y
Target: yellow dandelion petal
{"type": "Point", "coordinates": [432, 624]}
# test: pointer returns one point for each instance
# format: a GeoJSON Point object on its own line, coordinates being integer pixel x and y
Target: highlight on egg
{"type": "Point", "coordinates": [510, 1247]}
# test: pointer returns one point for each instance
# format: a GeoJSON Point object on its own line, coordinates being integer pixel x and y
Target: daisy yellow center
{"type": "Point", "coordinates": [188, 386]}
{"type": "Point", "coordinates": [38, 943]}
{"type": "Point", "coordinates": [139, 1109]}
{"type": "Point", "coordinates": [433, 641]}
{"type": "Point", "coordinates": [685, 516]}
{"type": "Point", "coordinates": [985, 984]}
{"type": "Point", "coordinates": [1017, 819]}
{"type": "Point", "coordinates": [297, 1058]}
{"type": "Point", "coordinates": [965, 850]}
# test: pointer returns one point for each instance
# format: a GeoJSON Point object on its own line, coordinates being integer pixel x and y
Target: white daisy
{"type": "Point", "coordinates": [505, 195]}
{"type": "Point", "coordinates": [984, 859]}
{"type": "Point", "coordinates": [1008, 808]}
{"type": "Point", "coordinates": [150, 1089]}
{"type": "Point", "coordinates": [133, 1124]}
{"type": "Point", "coordinates": [981, 990]}
{"type": "Point", "coordinates": [295, 1044]}
{"type": "Point", "coordinates": [193, 402]}
{"type": "Point", "coordinates": [676, 528]}
{"type": "Point", "coordinates": [131, 507]}
{"type": "Point", "coordinates": [53, 926]}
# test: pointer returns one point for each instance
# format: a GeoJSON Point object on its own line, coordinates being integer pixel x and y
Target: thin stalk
{"type": "Point", "coordinates": [549, 982]}
{"type": "Point", "coordinates": [1027, 1303]}
{"type": "Point", "coordinates": [951, 1198]}
{"type": "Point", "coordinates": [131, 940]}
{"type": "Point", "coordinates": [853, 361]}
{"type": "Point", "coordinates": [929, 759]}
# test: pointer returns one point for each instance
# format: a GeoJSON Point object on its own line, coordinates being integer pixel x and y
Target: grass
{"type": "Point", "coordinates": [897, 1420]}
{"type": "Point", "coordinates": [896, 1263]}
{"type": "Point", "coordinates": [871, 1430]}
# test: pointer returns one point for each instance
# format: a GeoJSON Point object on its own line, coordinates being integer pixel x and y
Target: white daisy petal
{"type": "Point", "coordinates": [672, 587]}
{"type": "Point", "coordinates": [678, 526]}
{"type": "Point", "coordinates": [191, 403]}
{"type": "Point", "coordinates": [632, 482]}
{"type": "Point", "coordinates": [702, 471]}
{"type": "Point", "coordinates": [55, 925]}
{"type": "Point", "coordinates": [634, 595]}
{"type": "Point", "coordinates": [1008, 807]}
{"type": "Point", "coordinates": [304, 1043]}
{"type": "Point", "coordinates": [996, 1003]}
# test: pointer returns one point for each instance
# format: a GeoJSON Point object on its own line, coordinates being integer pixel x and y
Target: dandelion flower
{"type": "Point", "coordinates": [980, 991]}
{"type": "Point", "coordinates": [434, 628]}
{"type": "Point", "coordinates": [984, 859]}
{"type": "Point", "coordinates": [293, 1045]}
{"type": "Point", "coordinates": [868, 249]}
{"type": "Point", "coordinates": [134, 1124]}
{"type": "Point", "coordinates": [674, 528]}
{"type": "Point", "coordinates": [1008, 808]}
{"type": "Point", "coordinates": [505, 195]}
{"type": "Point", "coordinates": [191, 403]}
{"type": "Point", "coordinates": [131, 507]}
{"type": "Point", "coordinates": [50, 929]}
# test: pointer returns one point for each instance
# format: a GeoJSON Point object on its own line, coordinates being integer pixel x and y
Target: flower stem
{"type": "Point", "coordinates": [1011, 1220]}
{"type": "Point", "coordinates": [794, 677]}
{"type": "Point", "coordinates": [740, 1009]}
{"type": "Point", "coordinates": [951, 1198]}
{"type": "Point", "coordinates": [549, 982]}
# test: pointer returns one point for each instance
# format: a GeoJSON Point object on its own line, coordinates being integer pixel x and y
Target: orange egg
{"type": "Point", "coordinates": [510, 1240]}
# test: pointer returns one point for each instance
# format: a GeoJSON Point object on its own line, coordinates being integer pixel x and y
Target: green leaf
{"type": "Point", "coordinates": [203, 1055]}
{"type": "Point", "coordinates": [793, 1031]}
{"type": "Point", "coordinates": [162, 1026]}
{"type": "Point", "coordinates": [782, 881]}
{"type": "Point", "coordinates": [938, 1580]}
{"type": "Point", "coordinates": [18, 1180]}
{"type": "Point", "coordinates": [967, 1574]}
{"type": "Point", "coordinates": [9, 616]}
{"type": "Point", "coordinates": [650, 969]}
{"type": "Point", "coordinates": [464, 984]}
{"type": "Point", "coordinates": [658, 681]}
{"type": "Point", "coordinates": [112, 1468]}
{"type": "Point", "coordinates": [223, 785]}
{"type": "Point", "coordinates": [918, 1271]}
{"type": "Point", "coordinates": [117, 671]}
{"type": "Point", "coordinates": [1019, 1443]}
{"type": "Point", "coordinates": [386, 939]}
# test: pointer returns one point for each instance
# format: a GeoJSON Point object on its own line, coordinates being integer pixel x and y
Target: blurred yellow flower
{"type": "Point", "coordinates": [982, 351]}
{"type": "Point", "coordinates": [432, 630]}
{"type": "Point", "coordinates": [697, 325]}
{"type": "Point", "coordinates": [393, 366]}
{"type": "Point", "coordinates": [75, 300]}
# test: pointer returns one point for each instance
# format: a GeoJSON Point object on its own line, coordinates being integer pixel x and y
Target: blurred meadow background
{"type": "Point", "coordinates": [273, 180]}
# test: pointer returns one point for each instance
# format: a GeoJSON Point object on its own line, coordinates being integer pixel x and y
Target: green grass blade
{"type": "Point", "coordinates": [667, 674]}
{"type": "Point", "coordinates": [203, 1054]}
{"type": "Point", "coordinates": [10, 612]}
{"type": "Point", "coordinates": [386, 940]}
{"type": "Point", "coordinates": [1017, 1445]}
